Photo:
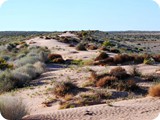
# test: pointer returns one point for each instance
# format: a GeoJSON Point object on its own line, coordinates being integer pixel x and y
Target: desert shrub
{"type": "Point", "coordinates": [122, 58]}
{"type": "Point", "coordinates": [114, 50]}
{"type": "Point", "coordinates": [81, 47]}
{"type": "Point", "coordinates": [21, 79]}
{"type": "Point", "coordinates": [154, 91]}
{"type": "Point", "coordinates": [12, 108]}
{"type": "Point", "coordinates": [156, 58]}
{"type": "Point", "coordinates": [25, 60]}
{"type": "Point", "coordinates": [128, 85]}
{"type": "Point", "coordinates": [2, 48]}
{"type": "Point", "coordinates": [4, 65]}
{"type": "Point", "coordinates": [5, 57]}
{"type": "Point", "coordinates": [149, 61]}
{"type": "Point", "coordinates": [105, 81]}
{"type": "Point", "coordinates": [40, 67]}
{"type": "Point", "coordinates": [43, 56]}
{"type": "Point", "coordinates": [107, 43]}
{"type": "Point", "coordinates": [102, 56]}
{"type": "Point", "coordinates": [107, 61]}
{"type": "Point", "coordinates": [21, 56]}
{"type": "Point", "coordinates": [56, 58]}
{"type": "Point", "coordinates": [28, 69]}
{"type": "Point", "coordinates": [7, 81]}
{"type": "Point", "coordinates": [118, 72]}
{"type": "Point", "coordinates": [138, 58]}
{"type": "Point", "coordinates": [10, 46]}
{"type": "Point", "coordinates": [63, 88]}
{"type": "Point", "coordinates": [93, 76]}
{"type": "Point", "coordinates": [92, 47]}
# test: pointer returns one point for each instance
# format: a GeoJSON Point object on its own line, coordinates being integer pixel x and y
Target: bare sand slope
{"type": "Point", "coordinates": [63, 49]}
{"type": "Point", "coordinates": [140, 109]}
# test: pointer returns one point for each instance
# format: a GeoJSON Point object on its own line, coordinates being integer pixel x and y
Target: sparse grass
{"type": "Point", "coordinates": [135, 72]}
{"type": "Point", "coordinates": [12, 108]}
{"type": "Point", "coordinates": [68, 97]}
{"type": "Point", "coordinates": [154, 91]}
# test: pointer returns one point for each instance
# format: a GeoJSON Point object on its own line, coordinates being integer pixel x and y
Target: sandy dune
{"type": "Point", "coordinates": [137, 109]}
{"type": "Point", "coordinates": [140, 109]}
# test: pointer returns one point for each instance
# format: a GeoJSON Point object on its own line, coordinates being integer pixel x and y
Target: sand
{"type": "Point", "coordinates": [146, 108]}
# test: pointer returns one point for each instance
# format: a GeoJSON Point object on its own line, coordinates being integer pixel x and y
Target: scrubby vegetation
{"type": "Point", "coordinates": [20, 63]}
{"type": "Point", "coordinates": [12, 108]}
{"type": "Point", "coordinates": [63, 88]}
{"type": "Point", "coordinates": [154, 91]}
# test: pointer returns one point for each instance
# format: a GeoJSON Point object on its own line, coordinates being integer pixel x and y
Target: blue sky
{"type": "Point", "coordinates": [61, 15]}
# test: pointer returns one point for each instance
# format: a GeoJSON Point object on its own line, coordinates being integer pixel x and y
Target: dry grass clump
{"type": "Point", "coordinates": [56, 58]}
{"type": "Point", "coordinates": [119, 72]}
{"type": "Point", "coordinates": [154, 91]}
{"type": "Point", "coordinates": [122, 58]}
{"type": "Point", "coordinates": [138, 58]}
{"type": "Point", "coordinates": [92, 47]}
{"type": "Point", "coordinates": [63, 88]}
{"type": "Point", "coordinates": [102, 56]}
{"type": "Point", "coordinates": [113, 80]}
{"type": "Point", "coordinates": [12, 108]}
{"type": "Point", "coordinates": [106, 81]}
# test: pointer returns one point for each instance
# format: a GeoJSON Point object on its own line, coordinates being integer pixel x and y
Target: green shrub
{"type": "Point", "coordinates": [107, 43]}
{"type": "Point", "coordinates": [4, 65]}
{"type": "Point", "coordinates": [149, 61]}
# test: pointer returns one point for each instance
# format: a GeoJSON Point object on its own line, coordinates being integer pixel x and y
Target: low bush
{"type": "Point", "coordinates": [4, 65]}
{"type": "Point", "coordinates": [106, 81]}
{"type": "Point", "coordinates": [81, 47]}
{"type": "Point", "coordinates": [63, 88]}
{"type": "Point", "coordinates": [149, 61]}
{"type": "Point", "coordinates": [26, 60]}
{"type": "Point", "coordinates": [7, 81]}
{"type": "Point", "coordinates": [119, 72]}
{"type": "Point", "coordinates": [56, 58]}
{"type": "Point", "coordinates": [154, 91]}
{"type": "Point", "coordinates": [107, 43]}
{"type": "Point", "coordinates": [12, 108]}
{"type": "Point", "coordinates": [40, 67]}
{"type": "Point", "coordinates": [102, 56]}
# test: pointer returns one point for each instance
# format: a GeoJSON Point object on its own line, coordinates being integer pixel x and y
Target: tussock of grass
{"type": "Point", "coordinates": [63, 88]}
{"type": "Point", "coordinates": [154, 91]}
{"type": "Point", "coordinates": [119, 72]}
